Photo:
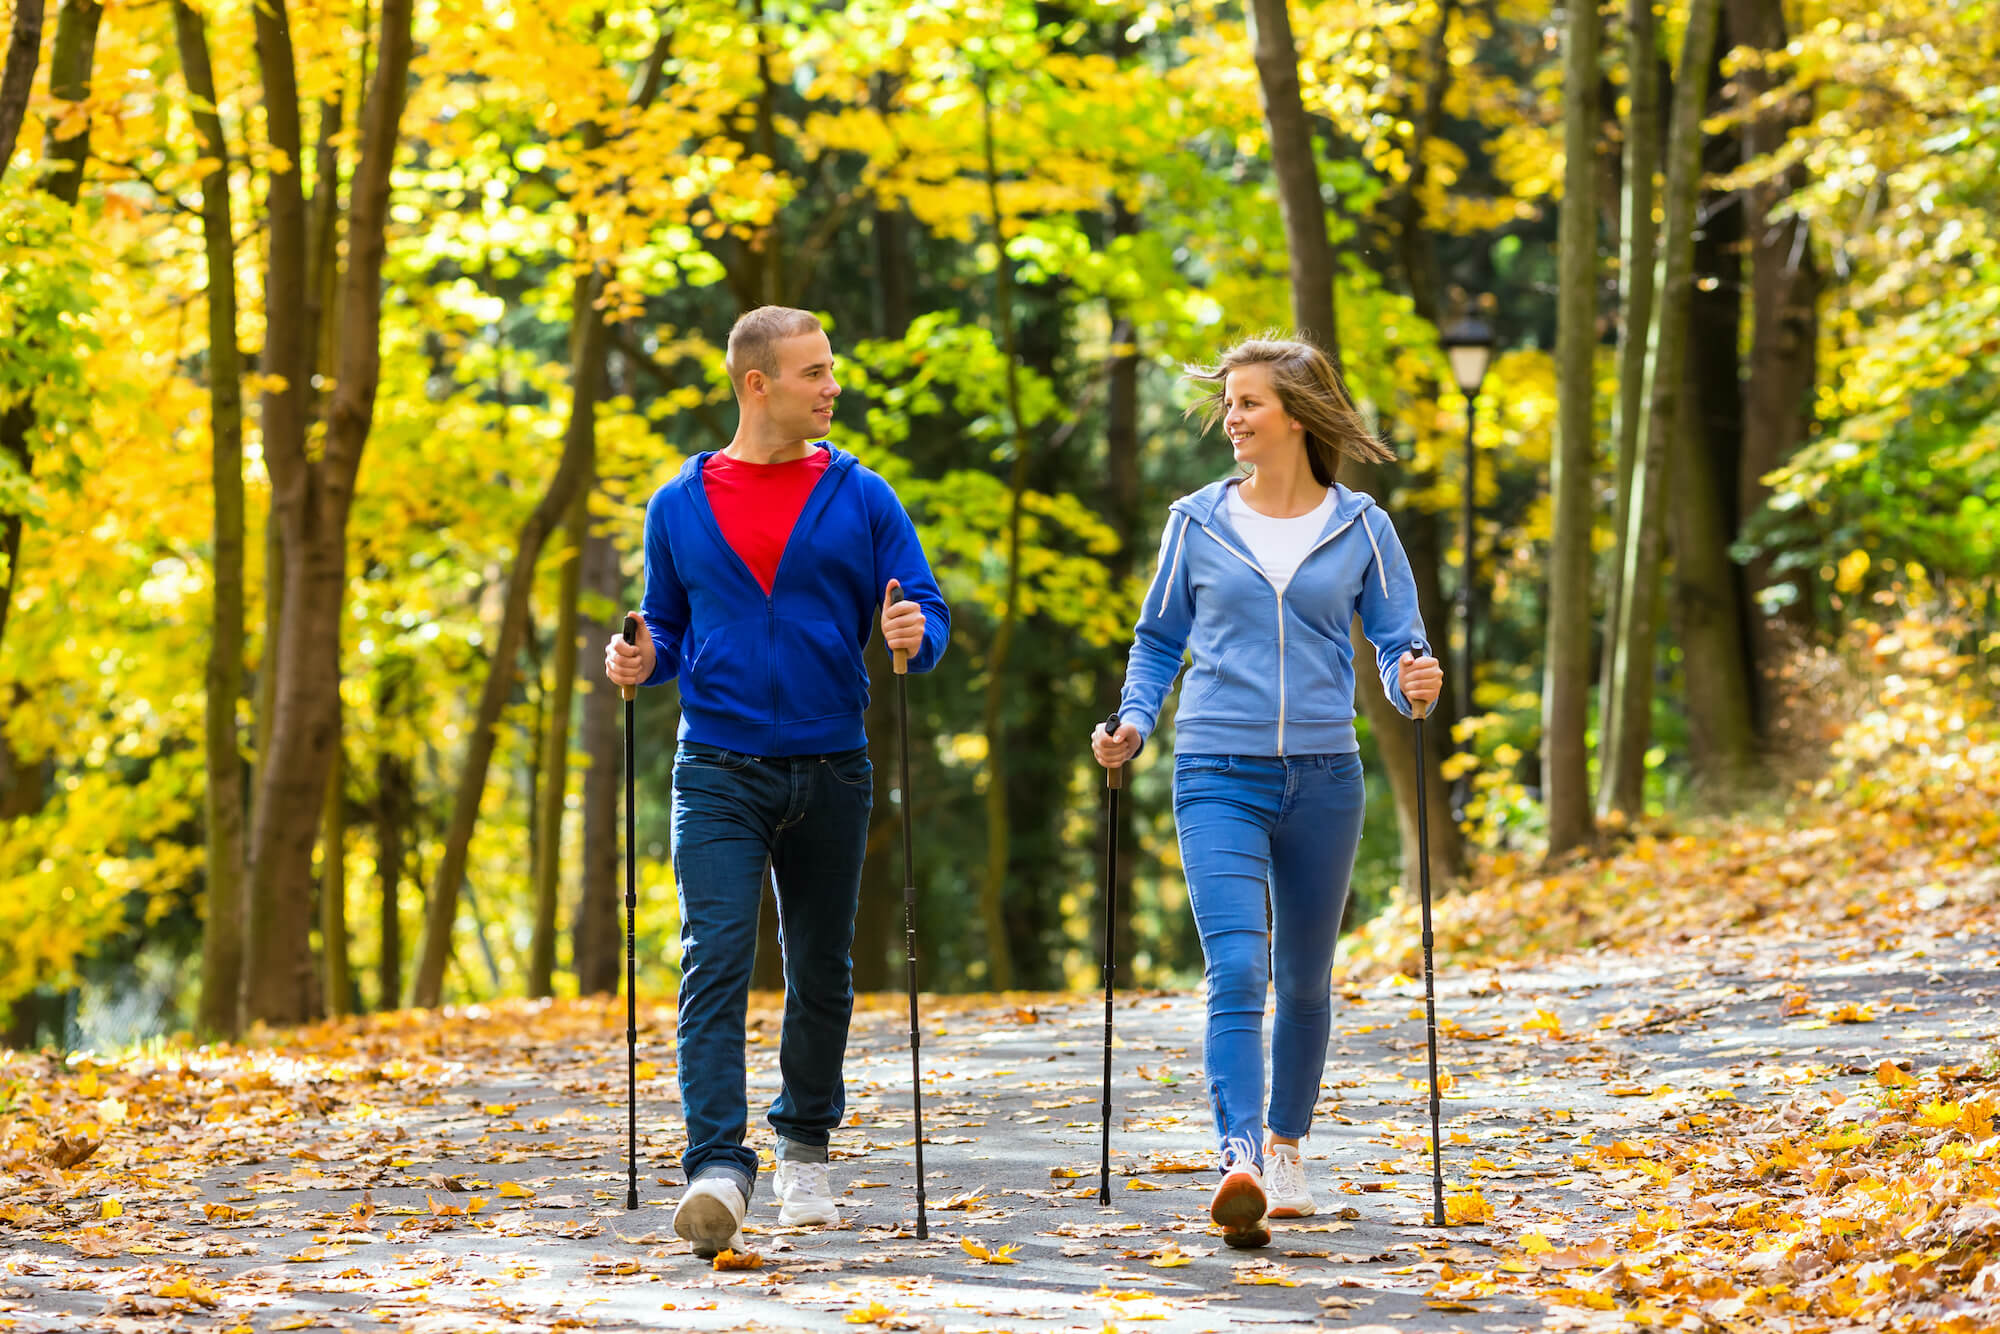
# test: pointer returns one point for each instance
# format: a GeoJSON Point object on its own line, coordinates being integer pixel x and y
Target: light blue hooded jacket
{"type": "Point", "coordinates": [1273, 674]}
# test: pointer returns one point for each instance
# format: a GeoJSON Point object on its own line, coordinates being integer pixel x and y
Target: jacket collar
{"type": "Point", "coordinates": [839, 460]}
{"type": "Point", "coordinates": [1209, 506]}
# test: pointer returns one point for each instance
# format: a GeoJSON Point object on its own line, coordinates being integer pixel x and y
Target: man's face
{"type": "Point", "coordinates": [799, 399]}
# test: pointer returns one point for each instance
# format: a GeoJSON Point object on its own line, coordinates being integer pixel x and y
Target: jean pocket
{"type": "Point", "coordinates": [711, 757]}
{"type": "Point", "coordinates": [1204, 764]}
{"type": "Point", "coordinates": [852, 768]}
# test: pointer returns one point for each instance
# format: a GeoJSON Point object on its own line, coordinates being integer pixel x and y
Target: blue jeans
{"type": "Point", "coordinates": [806, 817]}
{"type": "Point", "coordinates": [1251, 825]}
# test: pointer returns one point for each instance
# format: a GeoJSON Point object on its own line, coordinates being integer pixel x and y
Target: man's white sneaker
{"type": "Point", "coordinates": [803, 1194]}
{"type": "Point", "coordinates": [710, 1215]}
{"type": "Point", "coordinates": [1285, 1183]}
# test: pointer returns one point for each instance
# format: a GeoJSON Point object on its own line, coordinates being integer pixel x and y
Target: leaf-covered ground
{"type": "Point", "coordinates": [1756, 1134]}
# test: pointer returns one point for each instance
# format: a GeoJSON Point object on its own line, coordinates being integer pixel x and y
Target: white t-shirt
{"type": "Point", "coordinates": [1279, 544]}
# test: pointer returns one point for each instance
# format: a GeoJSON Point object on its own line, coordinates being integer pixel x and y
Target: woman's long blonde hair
{"type": "Point", "coordinates": [1311, 392]}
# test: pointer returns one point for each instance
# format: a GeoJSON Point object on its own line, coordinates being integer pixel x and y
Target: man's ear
{"type": "Point", "coordinates": [755, 382]}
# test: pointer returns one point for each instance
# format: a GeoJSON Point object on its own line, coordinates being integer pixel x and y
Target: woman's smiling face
{"type": "Point", "coordinates": [1257, 425]}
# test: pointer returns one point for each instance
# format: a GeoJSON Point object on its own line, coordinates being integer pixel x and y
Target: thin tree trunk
{"type": "Point", "coordinates": [555, 755]}
{"type": "Point", "coordinates": [1566, 679]}
{"type": "Point", "coordinates": [1314, 313]}
{"type": "Point", "coordinates": [578, 445]}
{"type": "Point", "coordinates": [70, 67]}
{"type": "Point", "coordinates": [993, 889]}
{"type": "Point", "coordinates": [1665, 370]}
{"type": "Point", "coordinates": [333, 885]}
{"type": "Point", "coordinates": [395, 812]}
{"type": "Point", "coordinates": [1621, 777]}
{"type": "Point", "coordinates": [1784, 294]}
{"type": "Point", "coordinates": [311, 499]}
{"type": "Point", "coordinates": [17, 76]}
{"type": "Point", "coordinates": [222, 926]}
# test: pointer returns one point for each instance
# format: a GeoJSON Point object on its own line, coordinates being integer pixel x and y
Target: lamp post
{"type": "Point", "coordinates": [1468, 343]}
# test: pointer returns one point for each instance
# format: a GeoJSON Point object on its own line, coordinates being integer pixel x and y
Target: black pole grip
{"type": "Point", "coordinates": [1114, 776]}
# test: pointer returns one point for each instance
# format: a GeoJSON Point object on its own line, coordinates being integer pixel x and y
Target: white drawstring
{"type": "Point", "coordinates": [1166, 588]}
{"type": "Point", "coordinates": [1379, 567]}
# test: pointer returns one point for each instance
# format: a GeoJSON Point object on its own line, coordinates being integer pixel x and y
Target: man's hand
{"type": "Point", "coordinates": [1113, 750]}
{"type": "Point", "coordinates": [902, 622]}
{"type": "Point", "coordinates": [1423, 679]}
{"type": "Point", "coordinates": [629, 664]}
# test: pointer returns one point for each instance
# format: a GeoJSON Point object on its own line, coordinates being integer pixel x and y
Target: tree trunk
{"type": "Point", "coordinates": [17, 76]}
{"type": "Point", "coordinates": [579, 444]}
{"type": "Point", "coordinates": [993, 889]}
{"type": "Point", "coordinates": [70, 67]}
{"type": "Point", "coordinates": [1708, 598]}
{"type": "Point", "coordinates": [222, 926]}
{"type": "Point", "coordinates": [1657, 458]}
{"type": "Point", "coordinates": [1784, 338]}
{"type": "Point", "coordinates": [555, 754]}
{"type": "Point", "coordinates": [1313, 311]}
{"type": "Point", "coordinates": [395, 813]}
{"type": "Point", "coordinates": [310, 500]}
{"type": "Point", "coordinates": [597, 939]}
{"type": "Point", "coordinates": [1621, 779]}
{"type": "Point", "coordinates": [333, 884]}
{"type": "Point", "coordinates": [1566, 674]}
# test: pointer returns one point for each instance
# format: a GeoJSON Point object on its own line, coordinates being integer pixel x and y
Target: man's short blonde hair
{"type": "Point", "coordinates": [754, 339]}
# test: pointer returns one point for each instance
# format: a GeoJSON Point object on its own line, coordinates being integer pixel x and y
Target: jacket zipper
{"type": "Point", "coordinates": [1279, 593]}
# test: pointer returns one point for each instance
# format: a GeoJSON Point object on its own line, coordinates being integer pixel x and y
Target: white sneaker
{"type": "Point", "coordinates": [1285, 1183]}
{"type": "Point", "coordinates": [803, 1194]}
{"type": "Point", "coordinates": [1239, 1204]}
{"type": "Point", "coordinates": [710, 1215]}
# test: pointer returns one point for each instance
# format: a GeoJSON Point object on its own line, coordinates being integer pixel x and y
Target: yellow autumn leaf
{"type": "Point", "coordinates": [999, 1255]}
{"type": "Point", "coordinates": [1852, 1013]}
{"type": "Point", "coordinates": [875, 1313]}
{"type": "Point", "coordinates": [1534, 1243]}
{"type": "Point", "coordinates": [1169, 1257]}
{"type": "Point", "coordinates": [1543, 1021]}
{"type": "Point", "coordinates": [111, 1208]}
{"type": "Point", "coordinates": [514, 1190]}
{"type": "Point", "coordinates": [727, 1259]}
{"type": "Point", "coordinates": [1891, 1076]}
{"type": "Point", "coordinates": [1938, 1112]}
{"type": "Point", "coordinates": [186, 1290]}
{"type": "Point", "coordinates": [1467, 1206]}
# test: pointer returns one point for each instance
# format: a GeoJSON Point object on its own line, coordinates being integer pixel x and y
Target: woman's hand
{"type": "Point", "coordinates": [1112, 751]}
{"type": "Point", "coordinates": [1422, 679]}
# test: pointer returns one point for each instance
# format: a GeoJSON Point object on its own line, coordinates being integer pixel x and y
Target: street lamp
{"type": "Point", "coordinates": [1468, 343]}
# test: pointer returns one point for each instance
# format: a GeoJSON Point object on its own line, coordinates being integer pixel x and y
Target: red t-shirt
{"type": "Point", "coordinates": [756, 504]}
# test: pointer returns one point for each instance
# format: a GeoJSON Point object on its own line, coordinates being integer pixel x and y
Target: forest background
{"type": "Point", "coordinates": [343, 344]}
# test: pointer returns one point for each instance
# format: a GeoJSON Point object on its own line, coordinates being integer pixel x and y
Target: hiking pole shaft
{"type": "Point", "coordinates": [1114, 779]}
{"type": "Point", "coordinates": [631, 952]}
{"type": "Point", "coordinates": [902, 661]}
{"type": "Point", "coordinates": [1420, 708]}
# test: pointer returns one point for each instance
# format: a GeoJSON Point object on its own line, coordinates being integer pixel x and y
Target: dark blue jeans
{"type": "Point", "coordinates": [1250, 827]}
{"type": "Point", "coordinates": [806, 818]}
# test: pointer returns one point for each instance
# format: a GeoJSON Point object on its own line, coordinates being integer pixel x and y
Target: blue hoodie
{"type": "Point", "coordinates": [1273, 673]}
{"type": "Point", "coordinates": [781, 673]}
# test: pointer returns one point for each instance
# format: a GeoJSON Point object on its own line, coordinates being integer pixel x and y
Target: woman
{"type": "Point", "coordinates": [1263, 574]}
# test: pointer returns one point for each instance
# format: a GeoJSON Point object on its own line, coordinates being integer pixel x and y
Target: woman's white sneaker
{"type": "Point", "coordinates": [1239, 1205]}
{"type": "Point", "coordinates": [1285, 1183]}
{"type": "Point", "coordinates": [710, 1215]}
{"type": "Point", "coordinates": [803, 1194]}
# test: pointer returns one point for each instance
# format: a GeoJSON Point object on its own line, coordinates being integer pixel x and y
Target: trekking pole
{"type": "Point", "coordinates": [1114, 778]}
{"type": "Point", "coordinates": [902, 659]}
{"type": "Point", "coordinates": [631, 951]}
{"type": "Point", "coordinates": [1418, 709]}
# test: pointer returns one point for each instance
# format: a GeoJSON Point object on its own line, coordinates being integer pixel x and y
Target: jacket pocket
{"type": "Point", "coordinates": [823, 671]}
{"type": "Point", "coordinates": [1240, 682]}
{"type": "Point", "coordinates": [729, 672]}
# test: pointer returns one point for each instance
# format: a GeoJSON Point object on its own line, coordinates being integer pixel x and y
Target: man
{"type": "Point", "coordinates": [765, 563]}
